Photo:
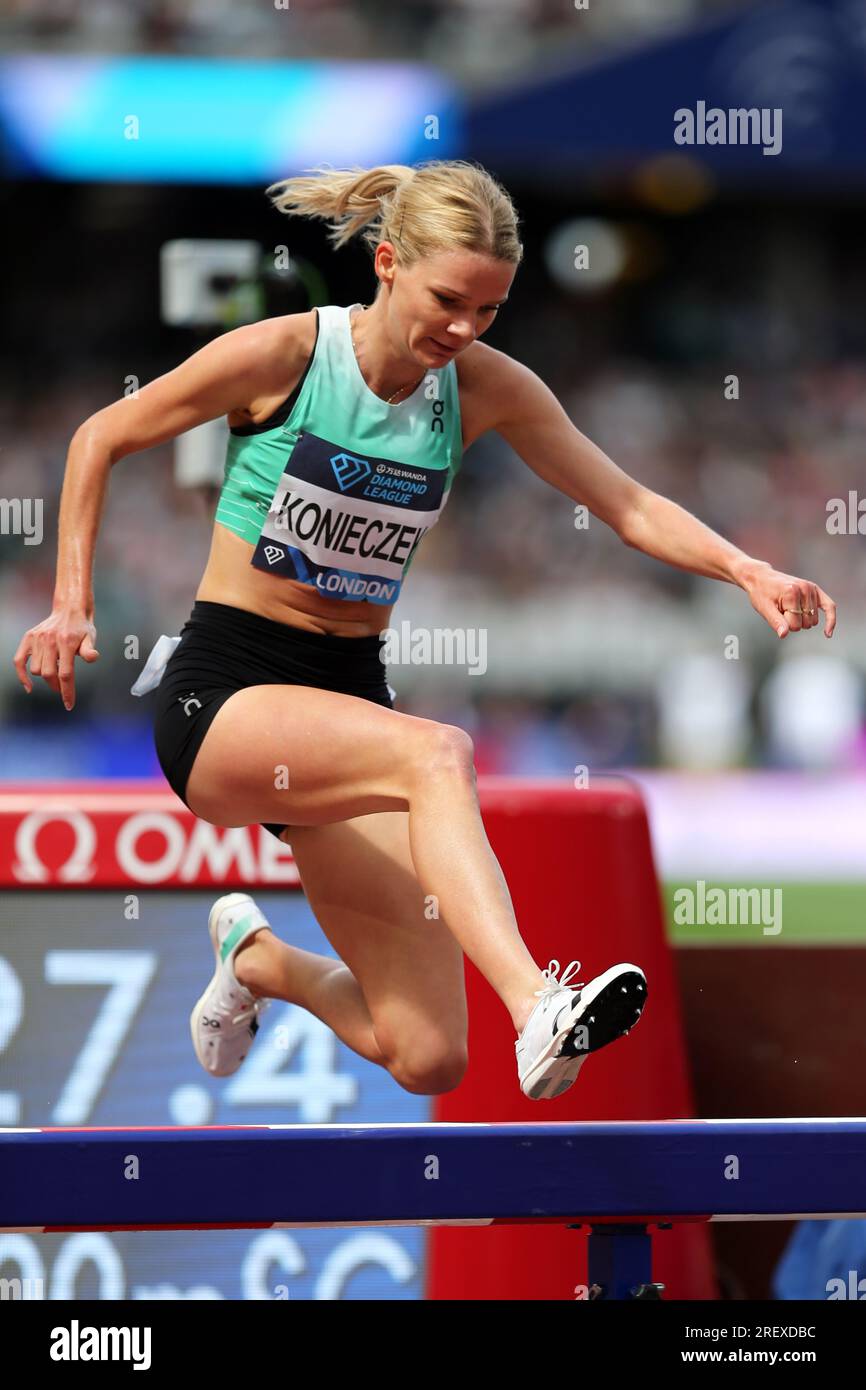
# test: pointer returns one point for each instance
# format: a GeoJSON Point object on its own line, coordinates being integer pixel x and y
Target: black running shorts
{"type": "Point", "coordinates": [223, 649]}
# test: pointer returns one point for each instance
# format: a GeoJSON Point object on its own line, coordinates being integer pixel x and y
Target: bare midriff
{"type": "Point", "coordinates": [230, 578]}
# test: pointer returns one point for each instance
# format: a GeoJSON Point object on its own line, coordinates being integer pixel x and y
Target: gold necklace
{"type": "Point", "coordinates": [355, 350]}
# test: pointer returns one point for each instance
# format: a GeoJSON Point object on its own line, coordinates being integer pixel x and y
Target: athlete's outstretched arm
{"type": "Point", "coordinates": [532, 421]}
{"type": "Point", "coordinates": [227, 373]}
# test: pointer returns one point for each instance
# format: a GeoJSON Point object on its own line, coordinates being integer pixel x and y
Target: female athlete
{"type": "Point", "coordinates": [347, 428]}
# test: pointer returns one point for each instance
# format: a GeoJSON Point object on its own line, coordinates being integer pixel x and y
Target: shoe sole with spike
{"type": "Point", "coordinates": [606, 1008]}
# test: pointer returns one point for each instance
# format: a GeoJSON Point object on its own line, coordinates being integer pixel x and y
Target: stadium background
{"type": "Point", "coordinates": [702, 263]}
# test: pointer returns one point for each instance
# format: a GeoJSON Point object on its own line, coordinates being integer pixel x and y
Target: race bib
{"type": "Point", "coordinates": [347, 523]}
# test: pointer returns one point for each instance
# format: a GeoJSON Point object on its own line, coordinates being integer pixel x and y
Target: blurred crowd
{"type": "Point", "coordinates": [476, 37]}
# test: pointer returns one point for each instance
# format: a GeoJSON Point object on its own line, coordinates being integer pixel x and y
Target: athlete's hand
{"type": "Point", "coordinates": [52, 646]}
{"type": "Point", "coordinates": [789, 604]}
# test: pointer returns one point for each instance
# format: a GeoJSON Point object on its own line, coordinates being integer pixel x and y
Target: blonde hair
{"type": "Point", "coordinates": [437, 205]}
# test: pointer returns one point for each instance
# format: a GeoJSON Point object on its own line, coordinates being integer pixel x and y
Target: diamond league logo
{"type": "Point", "coordinates": [349, 470]}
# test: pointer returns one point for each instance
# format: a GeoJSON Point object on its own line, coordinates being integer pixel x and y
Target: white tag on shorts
{"type": "Point", "coordinates": [154, 667]}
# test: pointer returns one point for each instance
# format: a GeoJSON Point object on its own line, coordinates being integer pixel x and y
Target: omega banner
{"type": "Point", "coordinates": [108, 835]}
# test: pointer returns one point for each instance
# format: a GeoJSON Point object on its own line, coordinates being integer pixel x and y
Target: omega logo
{"type": "Point", "coordinates": [78, 868]}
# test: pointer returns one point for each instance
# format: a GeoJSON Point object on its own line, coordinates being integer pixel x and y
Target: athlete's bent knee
{"type": "Point", "coordinates": [447, 748]}
{"type": "Point", "coordinates": [431, 1076]}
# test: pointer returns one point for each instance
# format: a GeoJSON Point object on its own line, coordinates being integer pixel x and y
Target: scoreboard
{"type": "Point", "coordinates": [96, 986]}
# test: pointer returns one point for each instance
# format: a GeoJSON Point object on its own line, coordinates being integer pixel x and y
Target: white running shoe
{"type": "Point", "coordinates": [567, 1024]}
{"type": "Point", "coordinates": [225, 1020]}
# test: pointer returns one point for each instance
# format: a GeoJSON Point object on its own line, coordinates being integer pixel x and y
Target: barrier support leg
{"type": "Point", "coordinates": [620, 1262]}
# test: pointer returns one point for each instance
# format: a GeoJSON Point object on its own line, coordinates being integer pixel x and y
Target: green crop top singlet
{"type": "Point", "coordinates": [338, 487]}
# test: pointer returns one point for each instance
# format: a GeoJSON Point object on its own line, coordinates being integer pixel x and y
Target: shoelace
{"type": "Point", "coordinates": [251, 1011]}
{"type": "Point", "coordinates": [553, 986]}
{"type": "Point", "coordinates": [564, 982]}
